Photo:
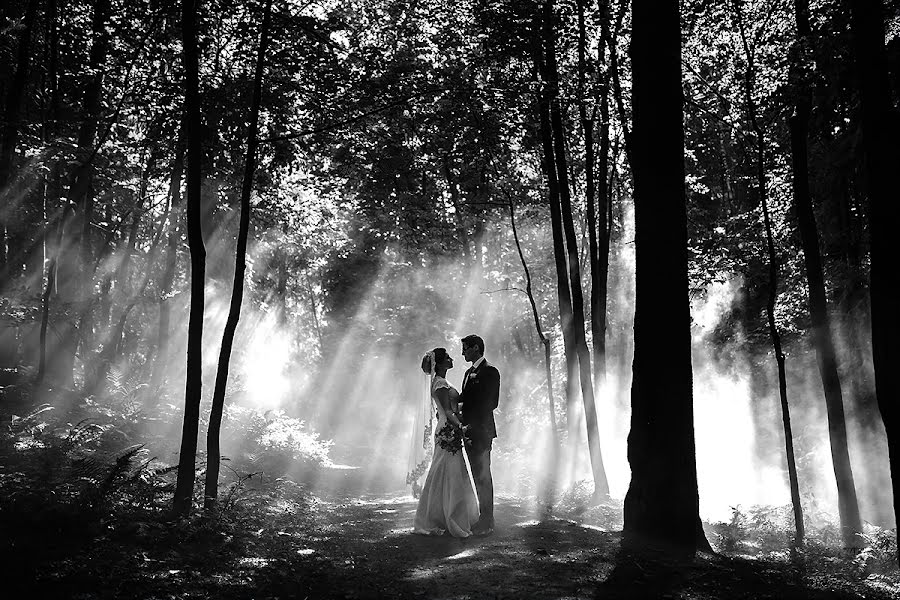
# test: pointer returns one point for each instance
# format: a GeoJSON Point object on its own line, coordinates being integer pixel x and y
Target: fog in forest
{"type": "Point", "coordinates": [354, 382]}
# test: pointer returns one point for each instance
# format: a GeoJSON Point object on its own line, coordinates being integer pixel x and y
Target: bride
{"type": "Point", "coordinates": [447, 501]}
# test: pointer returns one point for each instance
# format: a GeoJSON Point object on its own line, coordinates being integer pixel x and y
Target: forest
{"type": "Point", "coordinates": [231, 229]}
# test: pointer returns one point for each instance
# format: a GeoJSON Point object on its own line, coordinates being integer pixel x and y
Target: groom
{"type": "Point", "coordinates": [479, 397]}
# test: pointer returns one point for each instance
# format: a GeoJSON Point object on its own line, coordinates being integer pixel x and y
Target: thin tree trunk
{"type": "Point", "coordinates": [213, 450]}
{"type": "Point", "coordinates": [545, 342]}
{"type": "Point", "coordinates": [601, 485]}
{"type": "Point", "coordinates": [12, 111]}
{"type": "Point", "coordinates": [837, 429]}
{"type": "Point", "coordinates": [184, 486]}
{"type": "Point", "coordinates": [662, 503]}
{"type": "Point", "coordinates": [313, 309]}
{"type": "Point", "coordinates": [610, 38]}
{"type": "Point", "coordinates": [799, 126]}
{"type": "Point", "coordinates": [553, 456]}
{"type": "Point", "coordinates": [548, 165]}
{"type": "Point", "coordinates": [161, 360]}
{"type": "Point", "coordinates": [453, 188]}
{"type": "Point", "coordinates": [600, 224]}
{"type": "Point", "coordinates": [81, 175]}
{"type": "Point", "coordinates": [880, 131]}
{"type": "Point", "coordinates": [52, 183]}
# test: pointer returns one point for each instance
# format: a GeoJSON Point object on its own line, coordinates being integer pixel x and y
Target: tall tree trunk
{"type": "Point", "coordinates": [662, 503]}
{"type": "Point", "coordinates": [837, 428]}
{"type": "Point", "coordinates": [545, 342]}
{"type": "Point", "coordinates": [52, 185]}
{"type": "Point", "coordinates": [184, 486]}
{"type": "Point", "coordinates": [81, 175]}
{"type": "Point", "coordinates": [213, 450]}
{"type": "Point", "coordinates": [161, 360]}
{"type": "Point", "coordinates": [549, 167]}
{"type": "Point", "coordinates": [749, 84]}
{"type": "Point", "coordinates": [601, 485]}
{"type": "Point", "coordinates": [610, 37]}
{"type": "Point", "coordinates": [599, 222]}
{"type": "Point", "coordinates": [10, 134]}
{"type": "Point", "coordinates": [880, 131]}
{"type": "Point", "coordinates": [799, 128]}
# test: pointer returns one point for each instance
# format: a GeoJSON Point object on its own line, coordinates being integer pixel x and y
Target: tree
{"type": "Point", "coordinates": [772, 257]}
{"type": "Point", "coordinates": [578, 336]}
{"type": "Point", "coordinates": [662, 503]}
{"type": "Point", "coordinates": [11, 116]}
{"type": "Point", "coordinates": [213, 449]}
{"type": "Point", "coordinates": [184, 487]}
{"type": "Point", "coordinates": [880, 130]}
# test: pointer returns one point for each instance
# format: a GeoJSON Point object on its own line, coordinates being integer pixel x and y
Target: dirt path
{"type": "Point", "coordinates": [381, 558]}
{"type": "Point", "coordinates": [346, 547]}
{"type": "Point", "coordinates": [364, 549]}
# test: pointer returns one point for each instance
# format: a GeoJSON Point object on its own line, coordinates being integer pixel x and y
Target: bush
{"type": "Point", "coordinates": [271, 442]}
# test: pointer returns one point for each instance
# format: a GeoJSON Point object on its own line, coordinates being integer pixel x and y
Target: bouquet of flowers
{"type": "Point", "coordinates": [450, 438]}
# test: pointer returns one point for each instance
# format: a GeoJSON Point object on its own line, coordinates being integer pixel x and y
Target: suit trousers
{"type": "Point", "coordinates": [479, 454]}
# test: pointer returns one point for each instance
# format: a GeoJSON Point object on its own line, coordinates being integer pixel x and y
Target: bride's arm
{"type": "Point", "coordinates": [444, 405]}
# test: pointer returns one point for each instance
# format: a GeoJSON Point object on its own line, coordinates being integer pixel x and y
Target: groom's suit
{"type": "Point", "coordinates": [480, 396]}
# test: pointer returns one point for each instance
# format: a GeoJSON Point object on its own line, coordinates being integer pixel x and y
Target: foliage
{"type": "Point", "coordinates": [767, 531]}
{"type": "Point", "coordinates": [272, 442]}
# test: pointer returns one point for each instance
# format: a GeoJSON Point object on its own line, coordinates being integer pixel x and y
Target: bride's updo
{"type": "Point", "coordinates": [439, 355]}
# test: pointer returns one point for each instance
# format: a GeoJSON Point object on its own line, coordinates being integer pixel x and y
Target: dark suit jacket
{"type": "Point", "coordinates": [480, 396]}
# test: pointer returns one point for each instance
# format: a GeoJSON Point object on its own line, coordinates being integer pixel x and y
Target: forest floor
{"type": "Point", "coordinates": [336, 545]}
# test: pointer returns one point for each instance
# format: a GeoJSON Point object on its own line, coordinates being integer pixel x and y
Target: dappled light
{"type": "Point", "coordinates": [234, 238]}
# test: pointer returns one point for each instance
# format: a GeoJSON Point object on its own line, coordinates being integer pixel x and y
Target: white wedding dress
{"type": "Point", "coordinates": [448, 501]}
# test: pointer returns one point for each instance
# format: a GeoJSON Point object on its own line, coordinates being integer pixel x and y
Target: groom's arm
{"type": "Point", "coordinates": [492, 388]}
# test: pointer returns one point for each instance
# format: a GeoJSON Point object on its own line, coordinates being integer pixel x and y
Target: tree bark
{"type": "Point", "coordinates": [548, 165]}
{"type": "Point", "coordinates": [10, 134]}
{"type": "Point", "coordinates": [52, 192]}
{"type": "Point", "coordinates": [749, 83]}
{"type": "Point", "coordinates": [78, 231]}
{"type": "Point", "coordinates": [161, 360]}
{"type": "Point", "coordinates": [184, 486]}
{"type": "Point", "coordinates": [799, 128]}
{"type": "Point", "coordinates": [553, 457]}
{"type": "Point", "coordinates": [599, 222]}
{"type": "Point", "coordinates": [880, 131]}
{"type": "Point", "coordinates": [601, 485]}
{"type": "Point", "coordinates": [662, 503]}
{"type": "Point", "coordinates": [213, 449]}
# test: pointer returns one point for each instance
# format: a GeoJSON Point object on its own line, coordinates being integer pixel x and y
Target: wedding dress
{"type": "Point", "coordinates": [448, 501]}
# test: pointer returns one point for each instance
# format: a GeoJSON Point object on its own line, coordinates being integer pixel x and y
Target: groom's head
{"type": "Point", "coordinates": [472, 347]}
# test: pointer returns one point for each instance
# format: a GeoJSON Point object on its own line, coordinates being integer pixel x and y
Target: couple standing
{"type": "Point", "coordinates": [458, 494]}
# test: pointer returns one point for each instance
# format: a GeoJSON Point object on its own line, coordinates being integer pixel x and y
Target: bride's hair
{"type": "Point", "coordinates": [439, 355]}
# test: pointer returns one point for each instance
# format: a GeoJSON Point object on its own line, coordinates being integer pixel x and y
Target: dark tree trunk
{"type": "Point", "coordinates": [564, 299]}
{"type": "Point", "coordinates": [553, 457]}
{"type": "Point", "coordinates": [15, 94]}
{"type": "Point", "coordinates": [184, 487]}
{"type": "Point", "coordinates": [749, 83]}
{"type": "Point", "coordinates": [545, 342]}
{"type": "Point", "coordinates": [610, 37]}
{"type": "Point", "coordinates": [799, 128]}
{"type": "Point", "coordinates": [662, 503]}
{"type": "Point", "coordinates": [52, 187]}
{"type": "Point", "coordinates": [599, 222]}
{"type": "Point", "coordinates": [453, 188]}
{"type": "Point", "coordinates": [213, 450]}
{"type": "Point", "coordinates": [161, 360]}
{"type": "Point", "coordinates": [80, 194]}
{"type": "Point", "coordinates": [601, 485]}
{"type": "Point", "coordinates": [880, 131]}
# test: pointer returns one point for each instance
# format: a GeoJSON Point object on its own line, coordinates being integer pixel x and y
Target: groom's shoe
{"type": "Point", "coordinates": [482, 531]}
